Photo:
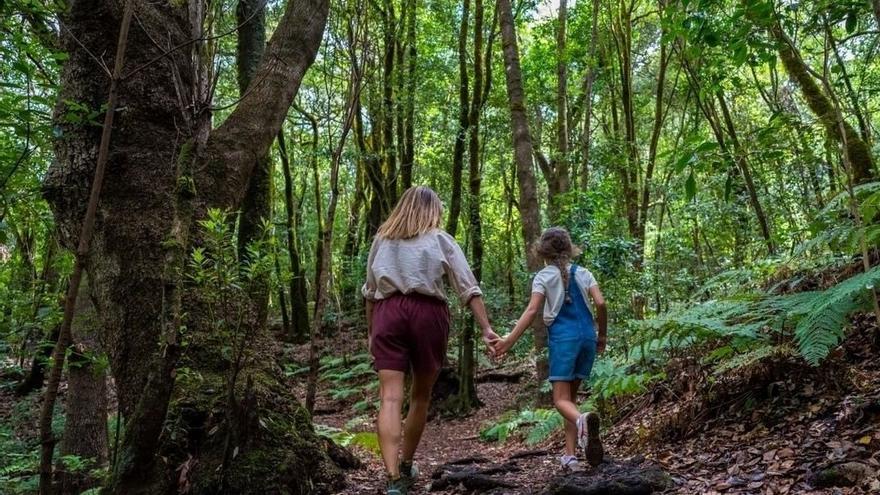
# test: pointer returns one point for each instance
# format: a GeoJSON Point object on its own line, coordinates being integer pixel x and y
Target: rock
{"type": "Point", "coordinates": [844, 474]}
{"type": "Point", "coordinates": [341, 456]}
{"type": "Point", "coordinates": [611, 479]}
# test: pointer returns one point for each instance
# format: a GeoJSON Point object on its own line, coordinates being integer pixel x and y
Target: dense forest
{"type": "Point", "coordinates": [189, 191]}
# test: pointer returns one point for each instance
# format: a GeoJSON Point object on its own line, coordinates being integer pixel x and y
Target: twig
{"type": "Point", "coordinates": [97, 59]}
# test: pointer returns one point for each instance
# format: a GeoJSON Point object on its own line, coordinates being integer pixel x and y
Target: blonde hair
{"type": "Point", "coordinates": [417, 212]}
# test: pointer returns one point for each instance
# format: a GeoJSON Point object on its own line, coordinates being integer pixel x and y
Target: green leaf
{"type": "Point", "coordinates": [852, 21]}
{"type": "Point", "coordinates": [706, 146]}
{"type": "Point", "coordinates": [728, 187]}
{"type": "Point", "coordinates": [690, 187]}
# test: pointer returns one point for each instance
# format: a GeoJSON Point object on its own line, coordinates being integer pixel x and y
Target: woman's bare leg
{"type": "Point", "coordinates": [420, 400]}
{"type": "Point", "coordinates": [388, 424]}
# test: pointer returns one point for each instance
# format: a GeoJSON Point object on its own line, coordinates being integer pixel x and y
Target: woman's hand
{"type": "Point", "coordinates": [491, 339]}
{"type": "Point", "coordinates": [600, 344]}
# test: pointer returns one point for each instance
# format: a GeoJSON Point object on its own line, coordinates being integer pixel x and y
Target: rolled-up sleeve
{"type": "Point", "coordinates": [369, 288]}
{"type": "Point", "coordinates": [459, 272]}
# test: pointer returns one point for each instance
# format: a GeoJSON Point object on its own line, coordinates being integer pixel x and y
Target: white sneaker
{"type": "Point", "coordinates": [569, 462]}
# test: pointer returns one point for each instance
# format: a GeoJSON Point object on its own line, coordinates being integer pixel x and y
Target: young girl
{"type": "Point", "coordinates": [408, 320]}
{"type": "Point", "coordinates": [562, 290]}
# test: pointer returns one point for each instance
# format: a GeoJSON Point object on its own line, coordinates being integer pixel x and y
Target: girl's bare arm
{"type": "Point", "coordinates": [536, 302]}
{"type": "Point", "coordinates": [601, 317]}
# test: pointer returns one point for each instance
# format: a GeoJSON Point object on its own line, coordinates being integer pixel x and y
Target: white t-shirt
{"type": "Point", "coordinates": [548, 281]}
{"type": "Point", "coordinates": [418, 265]}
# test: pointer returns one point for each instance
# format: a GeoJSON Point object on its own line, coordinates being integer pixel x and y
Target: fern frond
{"type": "Point", "coordinates": [748, 358]}
{"type": "Point", "coordinates": [822, 328]}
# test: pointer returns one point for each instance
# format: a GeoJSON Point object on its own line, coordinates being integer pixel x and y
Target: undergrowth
{"type": "Point", "coordinates": [800, 306]}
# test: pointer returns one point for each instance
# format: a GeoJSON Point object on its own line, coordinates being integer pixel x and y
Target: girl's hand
{"type": "Point", "coordinates": [503, 346]}
{"type": "Point", "coordinates": [600, 344]}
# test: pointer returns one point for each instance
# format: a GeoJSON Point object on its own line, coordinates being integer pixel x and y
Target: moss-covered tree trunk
{"type": "Point", "coordinates": [256, 207]}
{"type": "Point", "coordinates": [166, 168]}
{"type": "Point", "coordinates": [820, 103]}
{"type": "Point", "coordinates": [461, 133]}
{"type": "Point", "coordinates": [299, 297]}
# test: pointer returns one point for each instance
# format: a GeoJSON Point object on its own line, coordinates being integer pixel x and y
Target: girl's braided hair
{"type": "Point", "coordinates": [556, 248]}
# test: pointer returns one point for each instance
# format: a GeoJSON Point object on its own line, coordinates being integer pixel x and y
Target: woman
{"type": "Point", "coordinates": [408, 320]}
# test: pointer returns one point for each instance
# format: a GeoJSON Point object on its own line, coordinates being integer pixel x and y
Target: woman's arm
{"type": "Point", "coordinates": [525, 321]}
{"type": "Point", "coordinates": [478, 307]}
{"type": "Point", "coordinates": [601, 317]}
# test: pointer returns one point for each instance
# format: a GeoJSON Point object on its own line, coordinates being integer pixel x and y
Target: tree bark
{"type": "Point", "coordinates": [659, 113]}
{"type": "Point", "coordinates": [530, 215]}
{"type": "Point", "coordinates": [165, 169]}
{"type": "Point", "coordinates": [406, 164]}
{"type": "Point", "coordinates": [630, 173]}
{"type": "Point", "coordinates": [562, 159]}
{"type": "Point", "coordinates": [859, 153]}
{"type": "Point", "coordinates": [299, 294]}
{"type": "Point", "coordinates": [388, 103]}
{"type": "Point", "coordinates": [256, 207]}
{"type": "Point", "coordinates": [85, 426]}
{"type": "Point", "coordinates": [467, 397]}
{"type": "Point", "coordinates": [463, 122]}
{"type": "Point", "coordinates": [586, 138]}
{"type": "Point", "coordinates": [83, 247]}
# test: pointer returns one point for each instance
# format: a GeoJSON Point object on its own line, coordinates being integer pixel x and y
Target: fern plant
{"type": "Point", "coordinates": [821, 329]}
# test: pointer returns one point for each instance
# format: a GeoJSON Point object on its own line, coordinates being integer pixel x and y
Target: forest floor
{"type": "Point", "coordinates": [777, 427]}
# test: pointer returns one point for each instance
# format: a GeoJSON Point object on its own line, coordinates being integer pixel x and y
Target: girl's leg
{"type": "Point", "coordinates": [564, 394]}
{"type": "Point", "coordinates": [388, 424]}
{"type": "Point", "coordinates": [420, 400]}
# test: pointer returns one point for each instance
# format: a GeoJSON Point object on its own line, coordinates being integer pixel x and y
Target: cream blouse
{"type": "Point", "coordinates": [418, 265]}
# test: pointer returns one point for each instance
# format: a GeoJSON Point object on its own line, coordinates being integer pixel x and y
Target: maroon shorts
{"type": "Point", "coordinates": [410, 332]}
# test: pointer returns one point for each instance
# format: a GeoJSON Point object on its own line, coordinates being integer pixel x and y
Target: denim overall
{"type": "Point", "coordinates": [571, 337]}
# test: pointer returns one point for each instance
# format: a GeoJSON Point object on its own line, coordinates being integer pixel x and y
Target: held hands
{"type": "Point", "coordinates": [491, 339]}
{"type": "Point", "coordinates": [503, 346]}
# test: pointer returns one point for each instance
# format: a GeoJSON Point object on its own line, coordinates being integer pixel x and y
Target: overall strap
{"type": "Point", "coordinates": [571, 281]}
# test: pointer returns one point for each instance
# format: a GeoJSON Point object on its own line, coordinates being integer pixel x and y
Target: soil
{"type": "Point", "coordinates": [782, 428]}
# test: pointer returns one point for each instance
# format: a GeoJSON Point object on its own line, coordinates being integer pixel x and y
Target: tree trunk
{"type": "Point", "coordinates": [299, 294]}
{"type": "Point", "coordinates": [586, 138]}
{"type": "Point", "coordinates": [324, 245]}
{"type": "Point", "coordinates": [46, 293]}
{"type": "Point", "coordinates": [257, 205]}
{"type": "Point", "coordinates": [859, 153]}
{"type": "Point", "coordinates": [165, 169]}
{"type": "Point", "coordinates": [406, 163]}
{"type": "Point", "coordinates": [461, 133]}
{"type": "Point", "coordinates": [631, 172]}
{"type": "Point", "coordinates": [467, 367]}
{"type": "Point", "coordinates": [659, 114]}
{"type": "Point", "coordinates": [561, 165]}
{"type": "Point", "coordinates": [530, 215]}
{"type": "Point", "coordinates": [85, 426]}
{"type": "Point", "coordinates": [389, 22]}
{"type": "Point", "coordinates": [745, 170]}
